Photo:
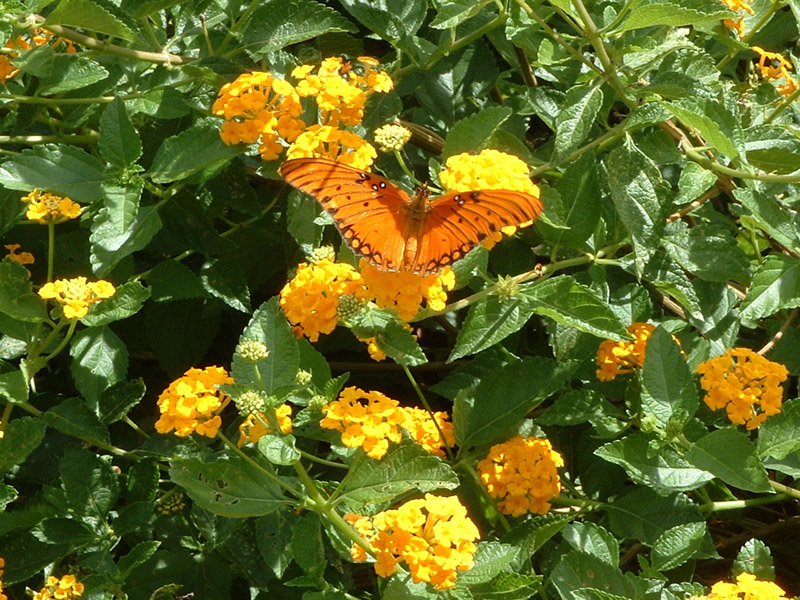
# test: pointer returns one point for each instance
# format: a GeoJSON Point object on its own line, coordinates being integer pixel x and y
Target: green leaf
{"type": "Point", "coordinates": [577, 206]}
{"type": "Point", "coordinates": [121, 228]}
{"type": "Point", "coordinates": [677, 545]}
{"type": "Point", "coordinates": [89, 482]}
{"type": "Point", "coordinates": [639, 194]}
{"type": "Point", "coordinates": [652, 464]}
{"type": "Point", "coordinates": [399, 344]}
{"type": "Point", "coordinates": [279, 449]}
{"type": "Point", "coordinates": [585, 406]}
{"type": "Point", "coordinates": [590, 538]}
{"type": "Point", "coordinates": [64, 531]}
{"type": "Point", "coordinates": [731, 456]}
{"type": "Point", "coordinates": [648, 13]}
{"type": "Point", "coordinates": [775, 285]}
{"type": "Point", "coordinates": [273, 535]}
{"type": "Point", "coordinates": [178, 157]}
{"type": "Point", "coordinates": [224, 278]}
{"type": "Point", "coordinates": [392, 21]}
{"type": "Point", "coordinates": [117, 400]}
{"type": "Point", "coordinates": [65, 170]}
{"type": "Point", "coordinates": [669, 392]}
{"type": "Point", "coordinates": [755, 557]}
{"type": "Point", "coordinates": [452, 13]}
{"type": "Point", "coordinates": [119, 141]}
{"type": "Point", "coordinates": [488, 322]}
{"type": "Point", "coordinates": [779, 435]}
{"type": "Point", "coordinates": [575, 119]}
{"type": "Point", "coordinates": [404, 467]}
{"type": "Point", "coordinates": [643, 515]}
{"type": "Point", "coordinates": [11, 209]}
{"type": "Point", "coordinates": [308, 549]}
{"type": "Point", "coordinates": [181, 332]}
{"type": "Point", "coordinates": [469, 373]}
{"type": "Point", "coordinates": [772, 217]}
{"type": "Point", "coordinates": [99, 360]}
{"type": "Point", "coordinates": [504, 396]}
{"type": "Point", "coordinates": [88, 14]}
{"type": "Point", "coordinates": [21, 437]}
{"type": "Point", "coordinates": [229, 487]}
{"type": "Point", "coordinates": [707, 251]}
{"type": "Point", "coordinates": [138, 555]}
{"type": "Point", "coordinates": [708, 118]}
{"type": "Point", "coordinates": [125, 302]}
{"type": "Point", "coordinates": [531, 534]}
{"type": "Point", "coordinates": [490, 559]}
{"type": "Point", "coordinates": [17, 298]}
{"type": "Point", "coordinates": [172, 280]}
{"type": "Point", "coordinates": [269, 327]}
{"type": "Point", "coordinates": [71, 72]}
{"type": "Point", "coordinates": [578, 571]}
{"type": "Point", "coordinates": [772, 149]}
{"type": "Point", "coordinates": [74, 418]}
{"type": "Point", "coordinates": [14, 386]}
{"type": "Point", "coordinates": [280, 23]}
{"type": "Point", "coordinates": [570, 303]}
{"type": "Point", "coordinates": [474, 133]}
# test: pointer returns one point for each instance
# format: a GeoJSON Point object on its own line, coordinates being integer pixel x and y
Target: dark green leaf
{"type": "Point", "coordinates": [643, 515]}
{"type": "Point", "coordinates": [399, 343]}
{"type": "Point", "coordinates": [755, 557]}
{"type": "Point", "coordinates": [117, 400]}
{"type": "Point", "coordinates": [137, 556]}
{"type": "Point", "coordinates": [125, 302]}
{"type": "Point", "coordinates": [533, 533]}
{"type": "Point", "coordinates": [21, 437]}
{"type": "Point", "coordinates": [64, 531]}
{"type": "Point", "coordinates": [180, 332]}
{"type": "Point", "coordinates": [709, 119]}
{"type": "Point", "coordinates": [677, 545]}
{"type": "Point", "coordinates": [575, 119]}
{"type": "Point", "coordinates": [577, 571]}
{"type": "Point", "coordinates": [177, 157]}
{"type": "Point", "coordinates": [99, 360]}
{"type": "Point", "coordinates": [452, 13]}
{"type": "Point", "coordinates": [134, 516]}
{"type": "Point", "coordinates": [780, 434]}
{"type": "Point", "coordinates": [11, 209]}
{"type": "Point", "coordinates": [775, 285]}
{"type": "Point", "coordinates": [772, 149]}
{"type": "Point", "coordinates": [590, 538]}
{"type": "Point", "coordinates": [708, 251]}
{"type": "Point", "coordinates": [225, 279]}
{"type": "Point", "coordinates": [731, 456]}
{"type": "Point", "coordinates": [772, 217]}
{"type": "Point", "coordinates": [647, 13]}
{"type": "Point", "coordinates": [473, 133]}
{"type": "Point", "coordinates": [74, 418]}
{"type": "Point", "coordinates": [488, 322]}
{"type": "Point", "coordinates": [669, 392]}
{"type": "Point", "coordinates": [90, 15]}
{"type": "Point", "coordinates": [89, 482]}
{"type": "Point", "coordinates": [279, 449]}
{"type": "Point", "coordinates": [119, 141]}
{"type": "Point", "coordinates": [393, 22]}
{"type": "Point", "coordinates": [14, 387]}
{"type": "Point", "coordinates": [17, 298]}
{"type": "Point", "coordinates": [171, 280]}
{"type": "Point", "coordinates": [72, 72]}
{"type": "Point", "coordinates": [308, 550]}
{"type": "Point", "coordinates": [490, 559]}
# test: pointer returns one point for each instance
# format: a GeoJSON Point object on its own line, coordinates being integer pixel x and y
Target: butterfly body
{"type": "Point", "coordinates": [397, 232]}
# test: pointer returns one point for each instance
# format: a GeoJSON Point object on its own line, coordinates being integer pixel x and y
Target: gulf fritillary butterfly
{"type": "Point", "coordinates": [394, 231]}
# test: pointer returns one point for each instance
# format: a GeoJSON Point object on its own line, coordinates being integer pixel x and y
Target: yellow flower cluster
{"type": "Point", "coordinates": [747, 587]}
{"type": "Point", "coordinates": [260, 107]}
{"type": "Point", "coordinates": [489, 170]}
{"type": "Point", "coordinates": [391, 137]}
{"type": "Point", "coordinates": [173, 502]}
{"type": "Point", "coordinates": [77, 294]}
{"type": "Point", "coordinates": [775, 67]}
{"type": "Point", "coordinates": [522, 471]}
{"type": "Point", "coordinates": [192, 403]}
{"type": "Point", "coordinates": [2, 568]}
{"type": "Point", "coordinates": [23, 258]}
{"type": "Point", "coordinates": [745, 384]}
{"type": "Point", "coordinates": [311, 300]}
{"type": "Point", "coordinates": [618, 358]}
{"type": "Point", "coordinates": [47, 208]}
{"type": "Point", "coordinates": [65, 588]}
{"type": "Point", "coordinates": [433, 536]}
{"type": "Point", "coordinates": [373, 425]}
{"type": "Point", "coordinates": [256, 426]}
{"type": "Point", "coordinates": [38, 37]}
{"type": "Point", "coordinates": [404, 292]}
{"type": "Point", "coordinates": [738, 24]}
{"type": "Point", "coordinates": [375, 353]}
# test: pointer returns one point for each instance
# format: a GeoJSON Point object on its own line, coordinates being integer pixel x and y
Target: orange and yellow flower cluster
{"type": "Point", "coordinates": [737, 25]}
{"type": "Point", "coordinates": [65, 588]}
{"type": "Point", "coordinates": [76, 295]}
{"type": "Point", "coordinates": [47, 208]}
{"type": "Point", "coordinates": [22, 258]}
{"type": "Point", "coordinates": [2, 569]}
{"type": "Point", "coordinates": [376, 423]}
{"type": "Point", "coordinates": [38, 37]}
{"type": "Point", "coordinates": [747, 587]}
{"type": "Point", "coordinates": [405, 292]}
{"type": "Point", "coordinates": [256, 426]}
{"type": "Point", "coordinates": [192, 403]}
{"type": "Point", "coordinates": [617, 358]}
{"type": "Point", "coordinates": [775, 67]}
{"type": "Point", "coordinates": [523, 472]}
{"type": "Point", "coordinates": [745, 384]}
{"type": "Point", "coordinates": [258, 107]}
{"type": "Point", "coordinates": [433, 536]}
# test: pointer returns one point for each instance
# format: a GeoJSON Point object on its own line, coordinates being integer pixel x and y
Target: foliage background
{"type": "Point", "coordinates": [668, 168]}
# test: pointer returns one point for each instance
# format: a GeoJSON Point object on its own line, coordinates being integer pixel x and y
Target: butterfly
{"type": "Point", "coordinates": [397, 232]}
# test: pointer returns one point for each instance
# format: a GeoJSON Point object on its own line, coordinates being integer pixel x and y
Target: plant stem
{"type": "Point", "coordinates": [268, 474]}
{"type": "Point", "coordinates": [427, 406]}
{"type": "Point", "coordinates": [51, 244]}
{"type": "Point", "coordinates": [785, 489]}
{"type": "Point", "coordinates": [709, 507]}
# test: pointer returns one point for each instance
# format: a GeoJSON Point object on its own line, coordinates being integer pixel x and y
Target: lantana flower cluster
{"type": "Point", "coordinates": [745, 384]}
{"type": "Point", "coordinates": [405, 292]}
{"type": "Point", "coordinates": [739, 6]}
{"type": "Point", "coordinates": [64, 588]}
{"type": "Point", "coordinates": [257, 425]}
{"type": "Point", "coordinates": [775, 67]}
{"type": "Point", "coordinates": [433, 536]}
{"type": "Point", "coordinates": [747, 587]}
{"type": "Point", "coordinates": [76, 295]}
{"type": "Point", "coordinates": [47, 208]}
{"type": "Point", "coordinates": [258, 107]}
{"type": "Point", "coordinates": [523, 472]}
{"type": "Point", "coordinates": [192, 403]}
{"type": "Point", "coordinates": [2, 570]}
{"type": "Point", "coordinates": [617, 358]}
{"type": "Point", "coordinates": [37, 37]}
{"type": "Point", "coordinates": [371, 420]}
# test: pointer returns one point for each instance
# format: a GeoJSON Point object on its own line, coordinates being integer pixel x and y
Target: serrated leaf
{"type": "Point", "coordinates": [775, 285]}
{"type": "Point", "coordinates": [231, 488]}
{"type": "Point", "coordinates": [74, 418]}
{"type": "Point", "coordinates": [779, 435]}
{"type": "Point", "coordinates": [136, 556]}
{"type": "Point", "coordinates": [570, 303]}
{"type": "Point", "coordinates": [99, 360]}
{"type": "Point", "coordinates": [592, 539]}
{"type": "Point", "coordinates": [648, 13]}
{"type": "Point", "coordinates": [643, 515]}
{"type": "Point", "coordinates": [776, 220]}
{"type": "Point", "coordinates": [307, 546]}
{"type": "Point", "coordinates": [71, 72]}
{"type": "Point", "coordinates": [669, 392]}
{"type": "Point", "coordinates": [473, 133]}
{"type": "Point", "coordinates": [14, 387]}
{"type": "Point", "coordinates": [755, 557]}
{"type": "Point", "coordinates": [575, 119]}
{"type": "Point", "coordinates": [452, 13]}
{"type": "Point", "coordinates": [731, 456]}
{"type": "Point", "coordinates": [772, 149]}
{"type": "Point", "coordinates": [488, 322]}
{"type": "Point", "coordinates": [21, 437]}
{"type": "Point", "coordinates": [172, 280]}
{"type": "Point", "coordinates": [280, 23]}
{"type": "Point", "coordinates": [404, 467]}
{"type": "Point", "coordinates": [580, 571]}
{"type": "Point", "coordinates": [677, 545]}
{"type": "Point", "coordinates": [649, 463]}
{"type": "Point", "coordinates": [117, 400]}
{"type": "Point", "coordinates": [177, 157]}
{"type": "Point", "coordinates": [279, 449]}
{"type": "Point", "coordinates": [87, 14]}
{"type": "Point", "coordinates": [125, 302]}
{"type": "Point", "coordinates": [89, 482]}
{"type": "Point", "coordinates": [224, 278]}
{"type": "Point", "coordinates": [17, 298]}
{"type": "Point", "coordinates": [394, 22]}
{"type": "Point", "coordinates": [695, 116]}
{"type": "Point", "coordinates": [490, 559]}
{"type": "Point", "coordinates": [533, 533]}
{"type": "Point", "coordinates": [66, 170]}
{"type": "Point", "coordinates": [399, 343]}
{"type": "Point", "coordinates": [119, 141]}
{"type": "Point", "coordinates": [707, 251]}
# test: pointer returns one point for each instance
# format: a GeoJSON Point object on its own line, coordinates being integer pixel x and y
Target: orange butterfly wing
{"type": "Point", "coordinates": [458, 221]}
{"type": "Point", "coordinates": [369, 211]}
